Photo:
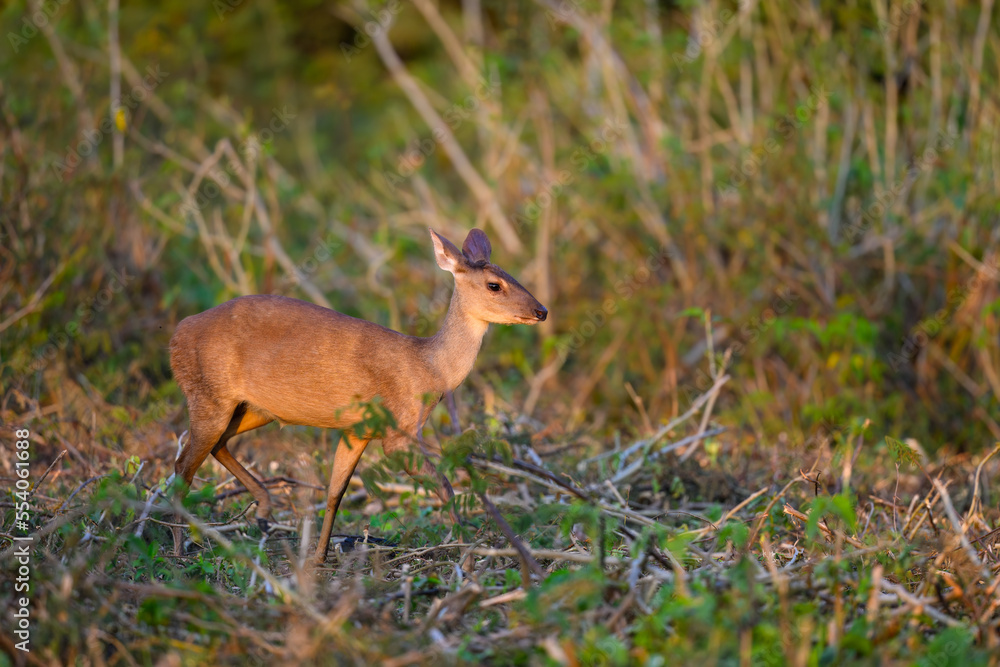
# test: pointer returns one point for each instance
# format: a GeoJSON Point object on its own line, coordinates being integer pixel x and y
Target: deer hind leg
{"type": "Point", "coordinates": [345, 460]}
{"type": "Point", "coordinates": [243, 420]}
{"type": "Point", "coordinates": [209, 421]}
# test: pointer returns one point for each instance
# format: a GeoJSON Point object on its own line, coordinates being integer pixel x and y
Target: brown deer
{"type": "Point", "coordinates": [258, 359]}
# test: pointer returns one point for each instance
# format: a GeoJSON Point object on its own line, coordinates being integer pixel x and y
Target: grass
{"type": "Point", "coordinates": [859, 557]}
{"type": "Point", "coordinates": [767, 231]}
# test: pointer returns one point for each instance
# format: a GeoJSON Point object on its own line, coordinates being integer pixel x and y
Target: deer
{"type": "Point", "coordinates": [259, 359]}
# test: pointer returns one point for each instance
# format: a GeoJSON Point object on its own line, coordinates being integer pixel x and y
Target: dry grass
{"type": "Point", "coordinates": [767, 235]}
{"type": "Point", "coordinates": [639, 553]}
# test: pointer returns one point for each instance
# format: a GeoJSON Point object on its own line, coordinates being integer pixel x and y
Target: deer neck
{"type": "Point", "coordinates": [453, 349]}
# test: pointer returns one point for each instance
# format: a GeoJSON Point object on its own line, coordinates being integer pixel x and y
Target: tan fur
{"type": "Point", "coordinates": [257, 359]}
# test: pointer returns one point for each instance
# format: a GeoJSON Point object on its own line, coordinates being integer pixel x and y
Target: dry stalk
{"type": "Point", "coordinates": [826, 530]}
{"type": "Point", "coordinates": [480, 189]}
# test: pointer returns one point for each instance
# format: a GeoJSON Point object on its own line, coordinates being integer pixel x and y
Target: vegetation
{"type": "Point", "coordinates": [758, 427]}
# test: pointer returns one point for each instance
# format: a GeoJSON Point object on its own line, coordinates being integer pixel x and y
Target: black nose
{"type": "Point", "coordinates": [541, 313]}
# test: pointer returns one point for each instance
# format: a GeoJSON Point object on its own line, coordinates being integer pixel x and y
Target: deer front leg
{"type": "Point", "coordinates": [345, 460]}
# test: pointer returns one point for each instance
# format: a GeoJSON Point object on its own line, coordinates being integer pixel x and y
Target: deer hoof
{"type": "Point", "coordinates": [264, 525]}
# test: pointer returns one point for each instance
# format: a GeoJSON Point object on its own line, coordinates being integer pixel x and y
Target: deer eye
{"type": "Point", "coordinates": [493, 287]}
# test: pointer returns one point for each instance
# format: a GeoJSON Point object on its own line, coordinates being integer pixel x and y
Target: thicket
{"type": "Point", "coordinates": [767, 231]}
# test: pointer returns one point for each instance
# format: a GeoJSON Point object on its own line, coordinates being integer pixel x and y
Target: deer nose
{"type": "Point", "coordinates": [541, 313]}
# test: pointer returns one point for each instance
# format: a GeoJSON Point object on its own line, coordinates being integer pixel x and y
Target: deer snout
{"type": "Point", "coordinates": [541, 313]}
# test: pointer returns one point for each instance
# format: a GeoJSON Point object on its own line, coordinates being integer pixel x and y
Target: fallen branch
{"type": "Point", "coordinates": [522, 551]}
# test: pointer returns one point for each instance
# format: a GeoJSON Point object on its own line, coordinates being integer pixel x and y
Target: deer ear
{"type": "Point", "coordinates": [477, 248]}
{"type": "Point", "coordinates": [447, 255]}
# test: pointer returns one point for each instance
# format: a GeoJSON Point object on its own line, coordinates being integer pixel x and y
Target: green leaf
{"type": "Point", "coordinates": [678, 544]}
{"type": "Point", "coordinates": [819, 506]}
{"type": "Point", "coordinates": [843, 506]}
{"type": "Point", "coordinates": [132, 465]}
{"type": "Point", "coordinates": [736, 532]}
{"type": "Point", "coordinates": [950, 647]}
{"type": "Point", "coordinates": [901, 452]}
{"type": "Point", "coordinates": [840, 505]}
{"type": "Point", "coordinates": [693, 311]}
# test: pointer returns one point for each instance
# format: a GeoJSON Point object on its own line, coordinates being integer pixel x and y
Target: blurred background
{"type": "Point", "coordinates": [816, 181]}
{"type": "Point", "coordinates": [769, 226]}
